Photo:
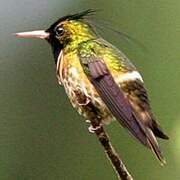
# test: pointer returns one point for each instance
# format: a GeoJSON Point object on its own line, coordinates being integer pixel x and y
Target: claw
{"type": "Point", "coordinates": [92, 129]}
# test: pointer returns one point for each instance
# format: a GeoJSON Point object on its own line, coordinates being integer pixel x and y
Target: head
{"type": "Point", "coordinates": [68, 31]}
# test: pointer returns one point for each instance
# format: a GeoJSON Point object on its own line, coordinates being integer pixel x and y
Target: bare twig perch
{"type": "Point", "coordinates": [116, 161]}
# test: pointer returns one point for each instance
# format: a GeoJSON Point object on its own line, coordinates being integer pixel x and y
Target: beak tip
{"type": "Point", "coordinates": [15, 34]}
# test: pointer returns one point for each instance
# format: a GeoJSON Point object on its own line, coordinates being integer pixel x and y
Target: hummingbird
{"type": "Point", "coordinates": [99, 80]}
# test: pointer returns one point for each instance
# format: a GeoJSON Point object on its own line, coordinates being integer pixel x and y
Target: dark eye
{"type": "Point", "coordinates": [59, 31]}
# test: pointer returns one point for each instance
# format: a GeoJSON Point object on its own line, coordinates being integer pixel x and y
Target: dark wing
{"type": "Point", "coordinates": [118, 104]}
{"type": "Point", "coordinates": [114, 99]}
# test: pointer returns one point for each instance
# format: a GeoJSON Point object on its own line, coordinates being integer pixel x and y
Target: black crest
{"type": "Point", "coordinates": [76, 16]}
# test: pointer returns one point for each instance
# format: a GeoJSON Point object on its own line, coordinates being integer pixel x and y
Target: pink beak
{"type": "Point", "coordinates": [33, 34]}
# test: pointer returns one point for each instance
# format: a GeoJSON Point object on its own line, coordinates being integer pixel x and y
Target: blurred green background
{"type": "Point", "coordinates": [41, 136]}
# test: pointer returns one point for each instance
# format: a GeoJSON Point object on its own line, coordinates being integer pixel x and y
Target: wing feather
{"type": "Point", "coordinates": [115, 100]}
{"type": "Point", "coordinates": [120, 107]}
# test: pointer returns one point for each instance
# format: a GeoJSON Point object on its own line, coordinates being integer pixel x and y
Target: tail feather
{"type": "Point", "coordinates": [158, 131]}
{"type": "Point", "coordinates": [151, 141]}
{"type": "Point", "coordinates": [153, 145]}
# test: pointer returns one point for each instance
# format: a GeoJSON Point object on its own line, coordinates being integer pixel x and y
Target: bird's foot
{"type": "Point", "coordinates": [92, 129]}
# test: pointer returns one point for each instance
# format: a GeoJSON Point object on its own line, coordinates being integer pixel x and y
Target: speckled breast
{"type": "Point", "coordinates": [81, 92]}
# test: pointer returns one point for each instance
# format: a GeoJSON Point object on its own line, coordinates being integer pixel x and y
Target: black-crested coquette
{"type": "Point", "coordinates": [99, 79]}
